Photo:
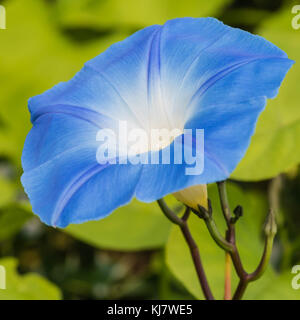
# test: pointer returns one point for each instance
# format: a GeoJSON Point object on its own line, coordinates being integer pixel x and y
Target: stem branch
{"type": "Point", "coordinates": [196, 257]}
{"type": "Point", "coordinates": [270, 231]}
{"type": "Point", "coordinates": [182, 223]}
{"type": "Point", "coordinates": [227, 293]}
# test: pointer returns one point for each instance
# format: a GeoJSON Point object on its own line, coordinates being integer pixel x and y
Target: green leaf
{"type": "Point", "coordinates": [7, 192]}
{"type": "Point", "coordinates": [134, 13]}
{"type": "Point", "coordinates": [275, 147]}
{"type": "Point", "coordinates": [136, 226]}
{"type": "Point", "coordinates": [277, 287]}
{"type": "Point", "coordinates": [25, 287]}
{"type": "Point", "coordinates": [12, 219]}
{"type": "Point", "coordinates": [248, 239]}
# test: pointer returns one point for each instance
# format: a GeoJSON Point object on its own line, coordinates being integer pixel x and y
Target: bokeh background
{"type": "Point", "coordinates": [136, 253]}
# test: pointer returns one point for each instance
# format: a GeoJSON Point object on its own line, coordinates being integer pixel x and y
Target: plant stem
{"type": "Point", "coordinates": [196, 257]}
{"type": "Point", "coordinates": [182, 223]}
{"type": "Point", "coordinates": [227, 294]}
{"type": "Point", "coordinates": [224, 201]}
{"type": "Point", "coordinates": [228, 244]}
{"type": "Point", "coordinates": [270, 231]}
{"type": "Point", "coordinates": [169, 213]}
{"type": "Point", "coordinates": [206, 215]}
{"type": "Point", "coordinates": [242, 286]}
{"type": "Point", "coordinates": [230, 237]}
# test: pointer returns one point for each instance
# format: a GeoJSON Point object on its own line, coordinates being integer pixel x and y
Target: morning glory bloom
{"type": "Point", "coordinates": [187, 74]}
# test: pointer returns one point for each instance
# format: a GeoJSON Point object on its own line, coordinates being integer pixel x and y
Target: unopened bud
{"type": "Point", "coordinates": [271, 226]}
{"type": "Point", "coordinates": [193, 196]}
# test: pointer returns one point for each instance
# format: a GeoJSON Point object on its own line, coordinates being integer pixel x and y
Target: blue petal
{"type": "Point", "coordinates": [73, 187]}
{"type": "Point", "coordinates": [196, 52]}
{"type": "Point", "coordinates": [218, 78]}
{"type": "Point", "coordinates": [189, 73]}
{"type": "Point", "coordinates": [158, 180]}
{"type": "Point", "coordinates": [228, 110]}
{"type": "Point", "coordinates": [53, 134]}
{"type": "Point", "coordinates": [113, 84]}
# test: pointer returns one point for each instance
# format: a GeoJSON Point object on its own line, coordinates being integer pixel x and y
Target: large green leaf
{"type": "Point", "coordinates": [249, 243]}
{"type": "Point", "coordinates": [134, 13]}
{"type": "Point", "coordinates": [134, 227]}
{"type": "Point", "coordinates": [25, 287]}
{"type": "Point", "coordinates": [279, 288]}
{"type": "Point", "coordinates": [275, 146]}
{"type": "Point", "coordinates": [276, 287]}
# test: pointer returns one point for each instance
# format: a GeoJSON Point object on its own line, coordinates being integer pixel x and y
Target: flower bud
{"type": "Point", "coordinates": [193, 196]}
{"type": "Point", "coordinates": [271, 226]}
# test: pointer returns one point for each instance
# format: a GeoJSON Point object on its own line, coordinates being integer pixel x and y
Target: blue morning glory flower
{"type": "Point", "coordinates": [187, 74]}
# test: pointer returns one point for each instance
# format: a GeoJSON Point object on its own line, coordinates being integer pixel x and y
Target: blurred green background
{"type": "Point", "coordinates": [136, 253]}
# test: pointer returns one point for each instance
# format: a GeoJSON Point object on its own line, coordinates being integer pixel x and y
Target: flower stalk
{"type": "Point", "coordinates": [227, 289]}
{"type": "Point", "coordinates": [270, 232]}
{"type": "Point", "coordinates": [206, 215]}
{"type": "Point", "coordinates": [183, 224]}
{"type": "Point", "coordinates": [169, 213]}
{"type": "Point", "coordinates": [228, 243]}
